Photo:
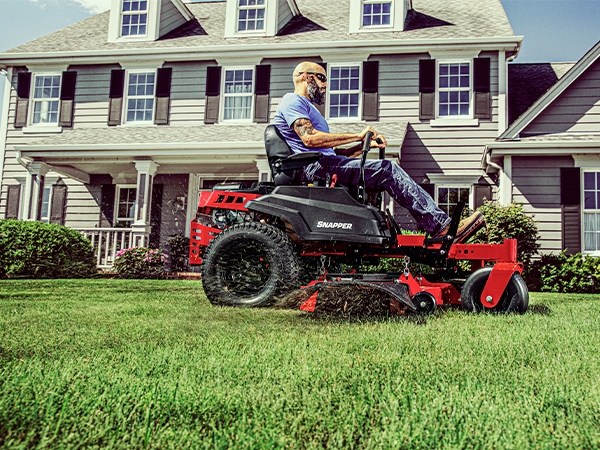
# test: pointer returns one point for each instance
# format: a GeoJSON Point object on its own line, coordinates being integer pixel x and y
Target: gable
{"type": "Point", "coordinates": [575, 110]}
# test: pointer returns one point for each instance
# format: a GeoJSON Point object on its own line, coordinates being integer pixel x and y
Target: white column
{"type": "Point", "coordinates": [34, 190]}
{"type": "Point", "coordinates": [141, 224]}
{"type": "Point", "coordinates": [264, 170]}
{"type": "Point", "coordinates": [506, 181]}
{"type": "Point", "coordinates": [502, 89]}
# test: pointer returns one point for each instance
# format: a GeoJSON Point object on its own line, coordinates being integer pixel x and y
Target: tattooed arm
{"type": "Point", "coordinates": [318, 139]}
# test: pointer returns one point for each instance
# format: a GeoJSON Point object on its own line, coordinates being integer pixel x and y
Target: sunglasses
{"type": "Point", "coordinates": [322, 78]}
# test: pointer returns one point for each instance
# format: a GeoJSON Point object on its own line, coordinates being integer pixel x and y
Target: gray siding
{"type": "Point", "coordinates": [188, 88]}
{"type": "Point", "coordinates": [170, 17]}
{"type": "Point", "coordinates": [284, 13]}
{"type": "Point", "coordinates": [576, 110]}
{"type": "Point", "coordinates": [536, 184]}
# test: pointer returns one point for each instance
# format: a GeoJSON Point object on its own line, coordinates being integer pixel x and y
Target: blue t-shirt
{"type": "Point", "coordinates": [293, 107]}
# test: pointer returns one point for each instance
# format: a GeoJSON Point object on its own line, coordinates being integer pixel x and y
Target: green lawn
{"type": "Point", "coordinates": [151, 364]}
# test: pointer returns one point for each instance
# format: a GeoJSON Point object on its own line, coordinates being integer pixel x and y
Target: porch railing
{"type": "Point", "coordinates": [106, 242]}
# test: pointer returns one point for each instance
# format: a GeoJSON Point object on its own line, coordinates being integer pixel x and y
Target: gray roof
{"type": "Point", "coordinates": [192, 135]}
{"type": "Point", "coordinates": [430, 19]}
{"type": "Point", "coordinates": [528, 82]}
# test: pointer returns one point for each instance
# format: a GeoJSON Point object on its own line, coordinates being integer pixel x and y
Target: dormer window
{"type": "Point", "coordinates": [134, 17]}
{"type": "Point", "coordinates": [376, 13]}
{"type": "Point", "coordinates": [251, 15]}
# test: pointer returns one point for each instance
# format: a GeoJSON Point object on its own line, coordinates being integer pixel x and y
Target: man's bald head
{"type": "Point", "coordinates": [307, 66]}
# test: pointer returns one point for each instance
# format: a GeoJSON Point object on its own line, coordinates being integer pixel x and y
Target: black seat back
{"type": "Point", "coordinates": [278, 149]}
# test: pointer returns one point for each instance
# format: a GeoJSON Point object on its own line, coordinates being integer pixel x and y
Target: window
{"type": "Point", "coordinates": [344, 91]}
{"type": "Point", "coordinates": [46, 99]}
{"type": "Point", "coordinates": [46, 204]}
{"type": "Point", "coordinates": [448, 197]}
{"type": "Point", "coordinates": [134, 17]}
{"type": "Point", "coordinates": [591, 211]}
{"type": "Point", "coordinates": [125, 207]}
{"type": "Point", "coordinates": [251, 15]}
{"type": "Point", "coordinates": [376, 13]}
{"type": "Point", "coordinates": [454, 89]}
{"type": "Point", "coordinates": [140, 97]}
{"type": "Point", "coordinates": [238, 92]}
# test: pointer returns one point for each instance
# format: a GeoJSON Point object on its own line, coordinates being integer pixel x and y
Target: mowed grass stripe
{"type": "Point", "coordinates": [151, 364]}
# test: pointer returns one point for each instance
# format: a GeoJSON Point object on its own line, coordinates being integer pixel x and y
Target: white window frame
{"type": "Point", "coordinates": [224, 95]}
{"type": "Point", "coordinates": [126, 97]}
{"type": "Point", "coordinates": [438, 90]}
{"type": "Point", "coordinates": [376, 27]}
{"type": "Point", "coordinates": [455, 185]}
{"type": "Point", "coordinates": [33, 100]}
{"type": "Point", "coordinates": [116, 218]}
{"type": "Point", "coordinates": [134, 13]}
{"type": "Point", "coordinates": [248, 8]}
{"type": "Point", "coordinates": [358, 117]}
{"type": "Point", "coordinates": [585, 211]}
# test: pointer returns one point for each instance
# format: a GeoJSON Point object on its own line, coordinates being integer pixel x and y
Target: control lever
{"type": "Point", "coordinates": [333, 180]}
{"type": "Point", "coordinates": [361, 197]}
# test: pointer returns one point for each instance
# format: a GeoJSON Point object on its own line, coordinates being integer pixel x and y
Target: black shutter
{"type": "Point", "coordinates": [370, 88]}
{"type": "Point", "coordinates": [481, 88]}
{"type": "Point", "coordinates": [13, 201]}
{"type": "Point", "coordinates": [23, 88]}
{"type": "Point", "coordinates": [115, 107]}
{"type": "Point", "coordinates": [107, 205]}
{"type": "Point", "coordinates": [570, 192]}
{"type": "Point", "coordinates": [67, 98]}
{"type": "Point", "coordinates": [481, 192]}
{"type": "Point", "coordinates": [57, 208]}
{"type": "Point", "coordinates": [262, 82]}
{"type": "Point", "coordinates": [213, 91]}
{"type": "Point", "coordinates": [163, 96]}
{"type": "Point", "coordinates": [427, 89]}
{"type": "Point", "coordinates": [321, 108]}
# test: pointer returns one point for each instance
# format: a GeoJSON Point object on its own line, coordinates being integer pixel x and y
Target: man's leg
{"type": "Point", "coordinates": [383, 175]}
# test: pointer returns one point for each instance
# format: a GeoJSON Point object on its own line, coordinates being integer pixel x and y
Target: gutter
{"type": "Point", "coordinates": [262, 50]}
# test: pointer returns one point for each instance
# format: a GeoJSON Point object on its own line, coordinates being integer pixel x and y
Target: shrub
{"type": "Point", "coordinates": [180, 249]}
{"type": "Point", "coordinates": [564, 273]}
{"type": "Point", "coordinates": [510, 221]}
{"type": "Point", "coordinates": [44, 250]}
{"type": "Point", "coordinates": [139, 262]}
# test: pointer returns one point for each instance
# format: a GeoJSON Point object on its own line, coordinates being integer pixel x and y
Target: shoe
{"type": "Point", "coordinates": [466, 227]}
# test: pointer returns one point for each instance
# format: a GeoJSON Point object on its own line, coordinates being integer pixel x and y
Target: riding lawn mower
{"type": "Point", "coordinates": [257, 245]}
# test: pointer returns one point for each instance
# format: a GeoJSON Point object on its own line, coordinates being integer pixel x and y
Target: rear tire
{"type": "Point", "coordinates": [515, 297]}
{"type": "Point", "coordinates": [250, 264]}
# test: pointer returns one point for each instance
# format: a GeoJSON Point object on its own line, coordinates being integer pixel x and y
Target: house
{"type": "Point", "coordinates": [116, 123]}
{"type": "Point", "coordinates": [549, 159]}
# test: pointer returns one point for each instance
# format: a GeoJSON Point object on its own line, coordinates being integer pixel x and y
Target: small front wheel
{"type": "Point", "coordinates": [250, 264]}
{"type": "Point", "coordinates": [515, 297]}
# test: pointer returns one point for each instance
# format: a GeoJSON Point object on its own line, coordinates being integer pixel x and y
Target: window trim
{"type": "Point", "coordinates": [456, 185]}
{"type": "Point", "coordinates": [377, 27]}
{"type": "Point", "coordinates": [223, 96]}
{"type": "Point", "coordinates": [43, 127]}
{"type": "Point", "coordinates": [122, 14]}
{"type": "Point", "coordinates": [134, 123]}
{"type": "Point", "coordinates": [239, 8]}
{"type": "Point", "coordinates": [465, 119]}
{"type": "Point", "coordinates": [116, 219]}
{"type": "Point", "coordinates": [596, 170]}
{"type": "Point", "coordinates": [358, 118]}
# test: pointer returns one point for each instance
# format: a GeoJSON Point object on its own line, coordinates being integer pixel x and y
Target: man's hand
{"type": "Point", "coordinates": [374, 143]}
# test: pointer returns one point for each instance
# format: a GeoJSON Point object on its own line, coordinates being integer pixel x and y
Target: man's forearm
{"type": "Point", "coordinates": [313, 138]}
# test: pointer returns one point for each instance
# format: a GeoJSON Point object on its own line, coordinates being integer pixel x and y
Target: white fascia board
{"type": "Point", "coordinates": [273, 50]}
{"type": "Point", "coordinates": [559, 87]}
{"type": "Point", "coordinates": [185, 12]}
{"type": "Point", "coordinates": [294, 7]}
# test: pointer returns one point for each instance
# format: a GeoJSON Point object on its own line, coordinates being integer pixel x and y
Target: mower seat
{"type": "Point", "coordinates": [284, 163]}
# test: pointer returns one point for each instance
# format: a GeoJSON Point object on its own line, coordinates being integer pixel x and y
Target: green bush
{"type": "Point", "coordinates": [44, 250]}
{"type": "Point", "coordinates": [139, 262]}
{"type": "Point", "coordinates": [180, 250]}
{"type": "Point", "coordinates": [510, 221]}
{"type": "Point", "coordinates": [564, 273]}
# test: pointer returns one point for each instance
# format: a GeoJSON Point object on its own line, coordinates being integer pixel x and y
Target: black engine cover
{"type": "Point", "coordinates": [324, 214]}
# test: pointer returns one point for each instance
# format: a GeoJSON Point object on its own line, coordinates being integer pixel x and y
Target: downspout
{"type": "Point", "coordinates": [488, 161]}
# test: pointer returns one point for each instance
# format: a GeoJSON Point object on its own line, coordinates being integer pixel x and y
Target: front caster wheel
{"type": "Point", "coordinates": [425, 302]}
{"type": "Point", "coordinates": [250, 264]}
{"type": "Point", "coordinates": [515, 297]}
